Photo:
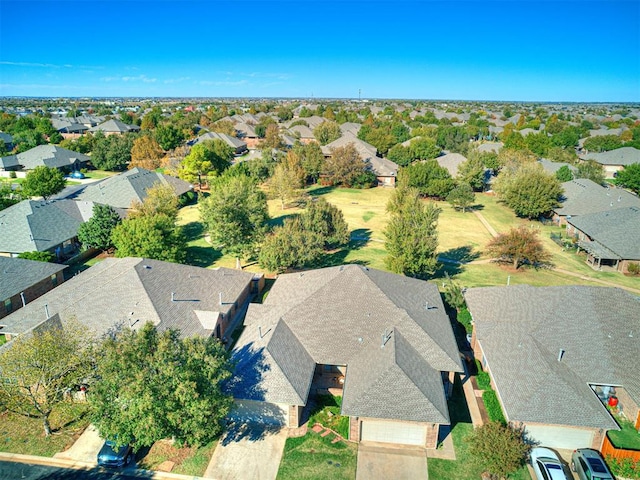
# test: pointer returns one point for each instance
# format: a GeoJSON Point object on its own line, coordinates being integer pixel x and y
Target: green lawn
{"type": "Point", "coordinates": [464, 466]}
{"type": "Point", "coordinates": [627, 437]}
{"type": "Point", "coordinates": [461, 237]}
{"type": "Point", "coordinates": [24, 435]}
{"type": "Point", "coordinates": [191, 461]}
{"type": "Point", "coordinates": [313, 457]}
{"type": "Point", "coordinates": [328, 414]}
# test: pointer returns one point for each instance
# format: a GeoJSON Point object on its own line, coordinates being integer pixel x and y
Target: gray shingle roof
{"type": "Point", "coordinates": [119, 291]}
{"type": "Point", "coordinates": [233, 142]}
{"type": "Point", "coordinates": [583, 196]}
{"type": "Point", "coordinates": [18, 274]}
{"type": "Point", "coordinates": [50, 156]}
{"type": "Point", "coordinates": [619, 156]}
{"type": "Point", "coordinates": [338, 316]}
{"type": "Point", "coordinates": [304, 131]}
{"type": "Point", "coordinates": [522, 329]}
{"type": "Point", "coordinates": [114, 126]}
{"type": "Point", "coordinates": [617, 230]}
{"type": "Point", "coordinates": [451, 161]}
{"type": "Point", "coordinates": [120, 190]}
{"type": "Point", "coordinates": [10, 161]}
{"type": "Point", "coordinates": [39, 226]}
{"type": "Point", "coordinates": [553, 167]}
{"type": "Point", "coordinates": [490, 147]}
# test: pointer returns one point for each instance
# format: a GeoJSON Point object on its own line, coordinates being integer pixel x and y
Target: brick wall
{"type": "Point", "coordinates": [354, 429]}
{"type": "Point", "coordinates": [31, 293]}
{"type": "Point", "coordinates": [432, 436]}
{"type": "Point", "coordinates": [295, 413]}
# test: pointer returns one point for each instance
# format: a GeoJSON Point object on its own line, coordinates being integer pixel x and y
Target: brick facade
{"type": "Point", "coordinates": [295, 414]}
{"type": "Point", "coordinates": [31, 293]}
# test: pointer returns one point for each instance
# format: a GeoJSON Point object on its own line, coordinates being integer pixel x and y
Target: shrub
{"type": "Point", "coordinates": [483, 379]}
{"type": "Point", "coordinates": [493, 407]}
{"type": "Point", "coordinates": [464, 317]}
{"type": "Point", "coordinates": [13, 174]}
{"type": "Point", "coordinates": [498, 449]}
{"type": "Point", "coordinates": [634, 268]}
{"type": "Point", "coordinates": [624, 467]}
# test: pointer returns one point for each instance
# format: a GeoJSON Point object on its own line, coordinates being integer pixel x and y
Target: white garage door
{"type": "Point", "coordinates": [559, 437]}
{"type": "Point", "coordinates": [393, 432]}
{"type": "Point", "coordinates": [249, 411]}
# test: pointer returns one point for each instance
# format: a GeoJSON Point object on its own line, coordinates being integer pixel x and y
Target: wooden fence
{"type": "Point", "coordinates": [618, 453]}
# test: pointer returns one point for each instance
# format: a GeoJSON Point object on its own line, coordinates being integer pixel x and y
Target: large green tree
{"type": "Point", "coordinates": [290, 246]}
{"type": "Point", "coordinates": [590, 170]}
{"type": "Point", "coordinates": [168, 136]}
{"type": "Point", "coordinates": [429, 178]}
{"type": "Point", "coordinates": [287, 180]}
{"type": "Point", "coordinates": [344, 166]}
{"type": "Point", "coordinates": [461, 197]}
{"type": "Point", "coordinates": [39, 369]}
{"type": "Point", "coordinates": [8, 196]}
{"type": "Point", "coordinates": [235, 215]}
{"type": "Point", "coordinates": [327, 132]}
{"type": "Point", "coordinates": [43, 182]}
{"type": "Point", "coordinates": [154, 385]}
{"type": "Point", "coordinates": [210, 156]}
{"type": "Point", "coordinates": [150, 236]}
{"type": "Point", "coordinates": [312, 160]}
{"type": "Point", "coordinates": [411, 234]}
{"type": "Point", "coordinates": [629, 177]}
{"type": "Point", "coordinates": [528, 190]}
{"type": "Point", "coordinates": [112, 152]}
{"type": "Point", "coordinates": [327, 221]}
{"type": "Point", "coordinates": [519, 246]}
{"type": "Point", "coordinates": [96, 232]}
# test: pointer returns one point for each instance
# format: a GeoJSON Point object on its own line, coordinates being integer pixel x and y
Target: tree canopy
{"type": "Point", "coordinates": [168, 136]}
{"type": "Point", "coordinates": [519, 246]}
{"type": "Point", "coordinates": [461, 197]}
{"type": "Point", "coordinates": [411, 234]}
{"type": "Point", "coordinates": [43, 182]}
{"type": "Point", "coordinates": [564, 174]}
{"type": "Point", "coordinates": [146, 153]}
{"type": "Point", "coordinates": [327, 221]}
{"type": "Point", "coordinates": [150, 236]}
{"type": "Point", "coordinates": [290, 246]}
{"type": "Point", "coordinates": [287, 180]}
{"type": "Point", "coordinates": [41, 367]}
{"type": "Point", "coordinates": [235, 214]}
{"type": "Point", "coordinates": [528, 190]}
{"type": "Point", "coordinates": [590, 170]}
{"type": "Point", "coordinates": [429, 178]}
{"type": "Point", "coordinates": [629, 177]}
{"type": "Point", "coordinates": [327, 132]}
{"type": "Point", "coordinates": [112, 152]}
{"type": "Point", "coordinates": [154, 385]}
{"type": "Point", "coordinates": [344, 166]}
{"type": "Point", "coordinates": [96, 232]}
{"type": "Point", "coordinates": [210, 156]}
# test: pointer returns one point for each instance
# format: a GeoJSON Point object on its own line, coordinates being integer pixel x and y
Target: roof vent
{"type": "Point", "coordinates": [386, 336]}
{"type": "Point", "coordinates": [560, 354]}
{"type": "Point", "coordinates": [147, 267]}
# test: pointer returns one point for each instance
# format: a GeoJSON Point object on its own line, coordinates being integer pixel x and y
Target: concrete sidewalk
{"type": "Point", "coordinates": [86, 447]}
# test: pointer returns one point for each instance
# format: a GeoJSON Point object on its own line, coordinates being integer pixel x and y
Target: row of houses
{"type": "Point", "coordinates": [382, 341]}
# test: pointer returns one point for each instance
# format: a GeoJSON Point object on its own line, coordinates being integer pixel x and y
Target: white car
{"type": "Point", "coordinates": [546, 464]}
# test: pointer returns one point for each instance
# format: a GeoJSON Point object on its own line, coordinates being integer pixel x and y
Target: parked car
{"type": "Point", "coordinates": [112, 456]}
{"type": "Point", "coordinates": [589, 465]}
{"type": "Point", "coordinates": [546, 464]}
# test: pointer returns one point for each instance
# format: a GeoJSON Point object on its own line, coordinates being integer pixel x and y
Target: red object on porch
{"type": "Point", "coordinates": [613, 401]}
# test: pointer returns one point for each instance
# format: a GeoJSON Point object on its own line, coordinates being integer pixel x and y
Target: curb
{"type": "Point", "coordinates": [63, 463]}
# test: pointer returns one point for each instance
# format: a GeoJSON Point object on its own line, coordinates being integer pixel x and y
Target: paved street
{"type": "Point", "coordinates": [25, 471]}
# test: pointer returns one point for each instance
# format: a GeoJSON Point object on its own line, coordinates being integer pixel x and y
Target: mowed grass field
{"type": "Point", "coordinates": [461, 237]}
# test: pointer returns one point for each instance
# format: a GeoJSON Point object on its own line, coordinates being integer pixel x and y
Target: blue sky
{"type": "Point", "coordinates": [466, 50]}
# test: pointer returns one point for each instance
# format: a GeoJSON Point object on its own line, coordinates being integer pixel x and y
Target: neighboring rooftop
{"type": "Point", "coordinates": [50, 156]}
{"type": "Point", "coordinates": [619, 156]}
{"type": "Point", "coordinates": [18, 274]}
{"type": "Point", "coordinates": [522, 329]}
{"type": "Point", "coordinates": [114, 126]}
{"type": "Point", "coordinates": [583, 196]}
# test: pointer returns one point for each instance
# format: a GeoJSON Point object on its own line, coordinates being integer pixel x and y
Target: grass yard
{"type": "Point", "coordinates": [188, 460]}
{"type": "Point", "coordinates": [99, 174]}
{"type": "Point", "coordinates": [313, 457]}
{"type": "Point", "coordinates": [627, 437]}
{"type": "Point", "coordinates": [463, 467]}
{"type": "Point", "coordinates": [26, 436]}
{"type": "Point", "coordinates": [328, 415]}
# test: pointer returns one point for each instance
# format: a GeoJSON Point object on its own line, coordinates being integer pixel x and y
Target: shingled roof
{"type": "Point", "coordinates": [50, 156]}
{"type": "Point", "coordinates": [114, 126]}
{"type": "Point", "coordinates": [619, 156]}
{"type": "Point", "coordinates": [19, 274]}
{"type": "Point", "coordinates": [39, 226]}
{"type": "Point", "coordinates": [522, 329]}
{"type": "Point", "coordinates": [583, 196]}
{"type": "Point", "coordinates": [123, 291]}
{"type": "Point", "coordinates": [339, 316]}
{"type": "Point", "coordinates": [120, 190]}
{"type": "Point", "coordinates": [616, 230]}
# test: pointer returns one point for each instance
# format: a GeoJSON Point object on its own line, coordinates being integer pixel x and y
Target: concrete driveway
{"type": "Point", "coordinates": [85, 449]}
{"type": "Point", "coordinates": [376, 462]}
{"type": "Point", "coordinates": [248, 452]}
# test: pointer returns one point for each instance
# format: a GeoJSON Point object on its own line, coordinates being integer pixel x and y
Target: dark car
{"type": "Point", "coordinates": [589, 465]}
{"type": "Point", "coordinates": [112, 456]}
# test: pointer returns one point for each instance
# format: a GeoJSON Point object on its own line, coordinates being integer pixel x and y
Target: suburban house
{"type": "Point", "coordinates": [24, 281]}
{"type": "Point", "coordinates": [52, 156]}
{"type": "Point", "coordinates": [385, 170]}
{"type": "Point", "coordinates": [302, 132]}
{"type": "Point", "coordinates": [381, 341]}
{"type": "Point", "coordinates": [583, 196]}
{"type": "Point", "coordinates": [9, 163]}
{"type": "Point", "coordinates": [43, 226]}
{"type": "Point", "coordinates": [610, 238]}
{"type": "Point", "coordinates": [239, 147]}
{"type": "Point", "coordinates": [7, 141]}
{"type": "Point", "coordinates": [69, 128]}
{"type": "Point", "coordinates": [350, 127]}
{"type": "Point", "coordinates": [553, 167]}
{"type": "Point", "coordinates": [129, 292]}
{"type": "Point", "coordinates": [556, 354]}
{"type": "Point", "coordinates": [451, 161]}
{"type": "Point", "coordinates": [247, 134]}
{"type": "Point", "coordinates": [614, 160]}
{"type": "Point", "coordinates": [119, 191]}
{"type": "Point", "coordinates": [114, 127]}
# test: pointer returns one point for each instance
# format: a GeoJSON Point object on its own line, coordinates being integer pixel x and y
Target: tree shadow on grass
{"type": "Point", "coordinates": [193, 231]}
{"type": "Point", "coordinates": [452, 261]}
{"type": "Point", "coordinates": [359, 238]}
{"type": "Point", "coordinates": [202, 256]}
{"type": "Point", "coordinates": [317, 192]}
{"type": "Point", "coordinates": [279, 221]}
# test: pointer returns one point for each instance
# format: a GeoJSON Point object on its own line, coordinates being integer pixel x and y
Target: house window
{"type": "Point", "coordinates": [54, 279]}
{"type": "Point", "coordinates": [8, 306]}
